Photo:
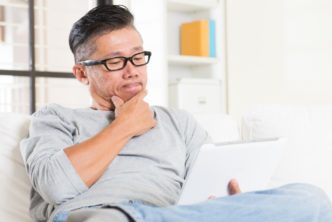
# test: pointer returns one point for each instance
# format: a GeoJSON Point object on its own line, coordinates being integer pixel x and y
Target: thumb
{"type": "Point", "coordinates": [117, 101]}
{"type": "Point", "coordinates": [234, 187]}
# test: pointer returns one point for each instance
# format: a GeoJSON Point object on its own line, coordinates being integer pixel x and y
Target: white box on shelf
{"type": "Point", "coordinates": [196, 95]}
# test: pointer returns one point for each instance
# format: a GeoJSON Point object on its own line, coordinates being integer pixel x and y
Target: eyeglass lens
{"type": "Point", "coordinates": [119, 63]}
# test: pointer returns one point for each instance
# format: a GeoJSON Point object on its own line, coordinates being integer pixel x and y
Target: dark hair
{"type": "Point", "coordinates": [101, 19]}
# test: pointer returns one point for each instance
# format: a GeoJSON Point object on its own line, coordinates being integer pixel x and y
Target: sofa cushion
{"type": "Point", "coordinates": [15, 185]}
{"type": "Point", "coordinates": [307, 155]}
{"type": "Point", "coordinates": [221, 127]}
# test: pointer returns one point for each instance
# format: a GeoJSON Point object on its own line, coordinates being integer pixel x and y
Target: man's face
{"type": "Point", "coordinates": [124, 83]}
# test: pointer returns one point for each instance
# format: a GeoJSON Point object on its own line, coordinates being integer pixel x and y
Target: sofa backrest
{"type": "Point", "coordinates": [308, 153]}
{"type": "Point", "coordinates": [221, 127]}
{"type": "Point", "coordinates": [14, 183]}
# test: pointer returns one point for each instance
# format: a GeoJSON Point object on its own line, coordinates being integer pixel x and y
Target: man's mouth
{"type": "Point", "coordinates": [132, 87]}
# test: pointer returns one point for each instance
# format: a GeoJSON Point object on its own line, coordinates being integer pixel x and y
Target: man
{"type": "Point", "coordinates": [122, 160]}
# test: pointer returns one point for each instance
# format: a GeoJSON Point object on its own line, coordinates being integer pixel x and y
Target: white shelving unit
{"type": "Point", "coordinates": [160, 29]}
{"type": "Point", "coordinates": [190, 60]}
{"type": "Point", "coordinates": [190, 6]}
{"type": "Point", "coordinates": [195, 71]}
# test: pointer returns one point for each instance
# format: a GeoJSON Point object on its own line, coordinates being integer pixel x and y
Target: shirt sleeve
{"type": "Point", "coordinates": [49, 169]}
{"type": "Point", "coordinates": [194, 135]}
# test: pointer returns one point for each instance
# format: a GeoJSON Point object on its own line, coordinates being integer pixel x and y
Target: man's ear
{"type": "Point", "coordinates": [79, 72]}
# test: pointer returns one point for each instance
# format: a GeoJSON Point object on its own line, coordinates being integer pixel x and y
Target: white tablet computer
{"type": "Point", "coordinates": [251, 163]}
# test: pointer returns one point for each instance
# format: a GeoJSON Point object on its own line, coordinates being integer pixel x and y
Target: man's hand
{"type": "Point", "coordinates": [233, 187]}
{"type": "Point", "coordinates": [135, 114]}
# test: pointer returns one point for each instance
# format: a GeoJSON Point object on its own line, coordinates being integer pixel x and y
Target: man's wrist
{"type": "Point", "coordinates": [122, 128]}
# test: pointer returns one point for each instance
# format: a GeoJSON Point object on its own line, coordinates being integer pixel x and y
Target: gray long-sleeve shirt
{"type": "Point", "coordinates": [150, 168]}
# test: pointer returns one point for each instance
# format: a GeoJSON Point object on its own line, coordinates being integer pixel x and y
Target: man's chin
{"type": "Point", "coordinates": [126, 97]}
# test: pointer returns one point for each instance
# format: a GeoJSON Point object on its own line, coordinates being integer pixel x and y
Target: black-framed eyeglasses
{"type": "Point", "coordinates": [119, 62]}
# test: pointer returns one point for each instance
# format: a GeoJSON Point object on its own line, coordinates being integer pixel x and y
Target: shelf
{"type": "Point", "coordinates": [191, 60]}
{"type": "Point", "coordinates": [190, 5]}
{"type": "Point", "coordinates": [187, 72]}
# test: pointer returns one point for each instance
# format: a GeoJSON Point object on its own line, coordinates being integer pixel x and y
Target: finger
{"type": "Point", "coordinates": [117, 101]}
{"type": "Point", "coordinates": [211, 197]}
{"type": "Point", "coordinates": [233, 187]}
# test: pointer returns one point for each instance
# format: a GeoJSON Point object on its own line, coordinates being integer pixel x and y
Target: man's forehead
{"type": "Point", "coordinates": [119, 42]}
{"type": "Point", "coordinates": [126, 52]}
{"type": "Point", "coordinates": [120, 52]}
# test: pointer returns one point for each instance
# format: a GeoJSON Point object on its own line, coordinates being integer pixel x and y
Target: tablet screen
{"type": "Point", "coordinates": [251, 163]}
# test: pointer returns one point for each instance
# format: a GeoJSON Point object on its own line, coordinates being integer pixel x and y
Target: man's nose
{"type": "Point", "coordinates": [130, 71]}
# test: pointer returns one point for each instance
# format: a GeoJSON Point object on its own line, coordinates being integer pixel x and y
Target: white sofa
{"type": "Point", "coordinates": [308, 154]}
{"type": "Point", "coordinates": [14, 183]}
{"type": "Point", "coordinates": [306, 158]}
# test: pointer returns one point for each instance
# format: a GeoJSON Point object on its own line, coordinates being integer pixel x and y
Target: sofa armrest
{"type": "Point", "coordinates": [15, 185]}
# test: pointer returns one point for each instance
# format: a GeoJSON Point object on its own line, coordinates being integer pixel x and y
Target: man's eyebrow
{"type": "Point", "coordinates": [118, 53]}
{"type": "Point", "coordinates": [138, 48]}
{"type": "Point", "coordinates": [112, 54]}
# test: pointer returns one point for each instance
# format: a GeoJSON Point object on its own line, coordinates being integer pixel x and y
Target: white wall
{"type": "Point", "coordinates": [150, 22]}
{"type": "Point", "coordinates": [278, 52]}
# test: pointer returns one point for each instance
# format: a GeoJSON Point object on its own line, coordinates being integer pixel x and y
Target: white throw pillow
{"type": "Point", "coordinates": [307, 155]}
{"type": "Point", "coordinates": [14, 183]}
